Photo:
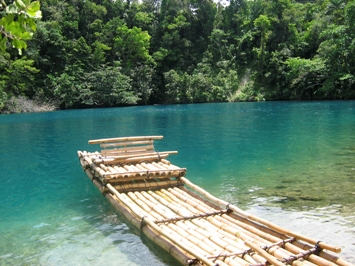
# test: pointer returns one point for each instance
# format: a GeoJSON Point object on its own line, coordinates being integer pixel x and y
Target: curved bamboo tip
{"type": "Point", "coordinates": [329, 247]}
{"type": "Point", "coordinates": [337, 249]}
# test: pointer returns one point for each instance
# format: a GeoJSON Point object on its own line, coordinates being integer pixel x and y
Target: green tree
{"type": "Point", "coordinates": [107, 86]}
{"type": "Point", "coordinates": [262, 23]}
{"type": "Point", "coordinates": [68, 85]}
{"type": "Point", "coordinates": [132, 45]}
{"type": "Point", "coordinates": [307, 77]}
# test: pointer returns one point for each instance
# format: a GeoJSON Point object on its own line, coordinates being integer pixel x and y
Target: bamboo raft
{"type": "Point", "coordinates": [189, 223]}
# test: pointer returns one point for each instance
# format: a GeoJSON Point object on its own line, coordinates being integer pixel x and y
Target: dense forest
{"type": "Point", "coordinates": [96, 53]}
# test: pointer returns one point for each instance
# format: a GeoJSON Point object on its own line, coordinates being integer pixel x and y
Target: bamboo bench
{"type": "Point", "coordinates": [123, 161]}
{"type": "Point", "coordinates": [127, 147]}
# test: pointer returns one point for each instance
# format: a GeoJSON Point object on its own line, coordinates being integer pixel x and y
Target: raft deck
{"type": "Point", "coordinates": [192, 225]}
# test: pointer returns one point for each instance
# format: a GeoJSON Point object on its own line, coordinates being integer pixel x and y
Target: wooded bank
{"type": "Point", "coordinates": [113, 53]}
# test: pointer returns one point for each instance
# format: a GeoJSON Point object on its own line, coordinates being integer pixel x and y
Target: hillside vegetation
{"type": "Point", "coordinates": [96, 53]}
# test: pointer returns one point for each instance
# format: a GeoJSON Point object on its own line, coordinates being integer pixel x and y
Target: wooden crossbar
{"type": "Point", "coordinates": [202, 215]}
{"type": "Point", "coordinates": [129, 187]}
{"type": "Point", "coordinates": [128, 150]}
{"type": "Point", "coordinates": [126, 143]}
{"type": "Point", "coordinates": [133, 159]}
{"type": "Point", "coordinates": [138, 179]}
{"type": "Point", "coordinates": [125, 156]}
{"type": "Point", "coordinates": [170, 173]}
{"type": "Point", "coordinates": [131, 148]}
{"type": "Point", "coordinates": [225, 255]}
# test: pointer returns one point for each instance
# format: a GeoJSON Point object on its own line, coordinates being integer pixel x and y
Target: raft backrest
{"type": "Point", "coordinates": [126, 146]}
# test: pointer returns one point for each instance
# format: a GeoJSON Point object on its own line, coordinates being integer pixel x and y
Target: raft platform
{"type": "Point", "coordinates": [189, 223]}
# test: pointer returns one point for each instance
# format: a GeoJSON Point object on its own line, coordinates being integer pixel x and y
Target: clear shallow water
{"type": "Point", "coordinates": [290, 162]}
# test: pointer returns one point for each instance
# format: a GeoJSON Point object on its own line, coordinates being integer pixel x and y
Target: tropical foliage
{"type": "Point", "coordinates": [110, 53]}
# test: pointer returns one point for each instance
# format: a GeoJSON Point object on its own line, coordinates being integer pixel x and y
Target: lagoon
{"type": "Point", "coordinates": [289, 162]}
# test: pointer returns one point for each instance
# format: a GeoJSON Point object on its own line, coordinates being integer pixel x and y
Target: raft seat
{"type": "Point", "coordinates": [132, 162]}
{"type": "Point", "coordinates": [128, 150]}
{"type": "Point", "coordinates": [126, 147]}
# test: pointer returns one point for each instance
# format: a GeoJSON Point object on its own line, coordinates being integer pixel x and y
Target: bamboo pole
{"type": "Point", "coordinates": [265, 231]}
{"type": "Point", "coordinates": [180, 227]}
{"type": "Point", "coordinates": [116, 180]}
{"type": "Point", "coordinates": [138, 158]}
{"type": "Point", "coordinates": [272, 239]}
{"type": "Point", "coordinates": [206, 247]}
{"type": "Point", "coordinates": [233, 237]}
{"type": "Point", "coordinates": [128, 150]}
{"type": "Point", "coordinates": [150, 223]}
{"type": "Point", "coordinates": [145, 185]}
{"type": "Point", "coordinates": [118, 158]}
{"type": "Point", "coordinates": [290, 246]}
{"type": "Point", "coordinates": [148, 166]}
{"type": "Point", "coordinates": [165, 162]}
{"type": "Point", "coordinates": [250, 243]}
{"type": "Point", "coordinates": [94, 167]}
{"type": "Point", "coordinates": [200, 233]}
{"type": "Point", "coordinates": [144, 215]}
{"type": "Point", "coordinates": [218, 218]}
{"type": "Point", "coordinates": [260, 220]}
{"type": "Point", "coordinates": [125, 143]}
{"type": "Point", "coordinates": [295, 250]}
{"type": "Point", "coordinates": [214, 236]}
{"type": "Point", "coordinates": [111, 170]}
{"type": "Point", "coordinates": [180, 255]}
{"type": "Point", "coordinates": [138, 138]}
{"type": "Point", "coordinates": [163, 211]}
{"type": "Point", "coordinates": [175, 208]}
{"type": "Point", "coordinates": [103, 167]}
{"type": "Point", "coordinates": [163, 166]}
{"type": "Point", "coordinates": [264, 243]}
{"type": "Point", "coordinates": [135, 172]}
{"type": "Point", "coordinates": [119, 169]}
{"type": "Point", "coordinates": [158, 166]}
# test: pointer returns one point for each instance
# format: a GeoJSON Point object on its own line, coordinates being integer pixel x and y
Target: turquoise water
{"type": "Point", "coordinates": [289, 162]}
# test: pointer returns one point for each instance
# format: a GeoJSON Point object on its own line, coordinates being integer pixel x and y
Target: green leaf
{"type": "Point", "coordinates": [9, 18]}
{"type": "Point", "coordinates": [34, 6]}
{"type": "Point", "coordinates": [22, 21]}
{"type": "Point", "coordinates": [3, 43]}
{"type": "Point", "coordinates": [14, 29]}
{"type": "Point", "coordinates": [3, 22]}
{"type": "Point", "coordinates": [21, 5]}
{"type": "Point", "coordinates": [32, 24]}
{"type": "Point", "coordinates": [11, 9]}
{"type": "Point", "coordinates": [26, 35]}
{"type": "Point", "coordinates": [27, 2]}
{"type": "Point", "coordinates": [23, 44]}
{"type": "Point", "coordinates": [33, 10]}
{"type": "Point", "coordinates": [19, 44]}
{"type": "Point", "coordinates": [16, 43]}
{"type": "Point", "coordinates": [346, 76]}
